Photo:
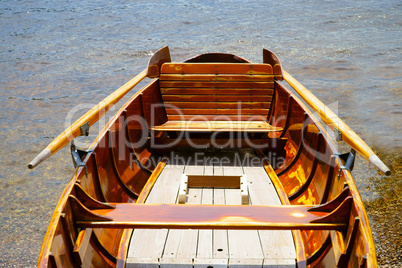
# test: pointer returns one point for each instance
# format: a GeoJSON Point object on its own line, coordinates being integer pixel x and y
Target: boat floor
{"type": "Point", "coordinates": [212, 248]}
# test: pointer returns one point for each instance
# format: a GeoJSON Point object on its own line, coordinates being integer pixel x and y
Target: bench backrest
{"type": "Point", "coordinates": [217, 91]}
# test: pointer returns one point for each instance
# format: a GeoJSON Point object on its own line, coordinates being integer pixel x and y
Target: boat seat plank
{"type": "Point", "coordinates": [216, 68]}
{"type": "Point", "coordinates": [208, 126]}
{"type": "Point", "coordinates": [175, 216]}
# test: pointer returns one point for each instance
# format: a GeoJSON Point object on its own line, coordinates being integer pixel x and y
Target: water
{"type": "Point", "coordinates": [55, 55]}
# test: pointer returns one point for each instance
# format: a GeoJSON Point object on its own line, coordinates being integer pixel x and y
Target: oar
{"type": "Point", "coordinates": [99, 110]}
{"type": "Point", "coordinates": [333, 121]}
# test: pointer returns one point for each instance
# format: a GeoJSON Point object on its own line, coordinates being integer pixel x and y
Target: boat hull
{"type": "Point", "coordinates": [129, 154]}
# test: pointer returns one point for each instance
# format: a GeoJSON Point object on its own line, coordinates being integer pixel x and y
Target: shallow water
{"type": "Point", "coordinates": [55, 55]}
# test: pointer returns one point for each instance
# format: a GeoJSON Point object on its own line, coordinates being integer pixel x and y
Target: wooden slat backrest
{"type": "Point", "coordinates": [218, 91]}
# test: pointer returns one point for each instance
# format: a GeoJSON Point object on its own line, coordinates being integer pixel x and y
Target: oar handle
{"type": "Point", "coordinates": [91, 117]}
{"type": "Point", "coordinates": [333, 121]}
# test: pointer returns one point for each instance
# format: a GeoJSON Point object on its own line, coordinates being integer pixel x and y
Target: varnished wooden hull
{"type": "Point", "coordinates": [298, 155]}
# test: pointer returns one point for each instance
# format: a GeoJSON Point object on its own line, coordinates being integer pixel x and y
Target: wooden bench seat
{"type": "Point", "coordinates": [211, 126]}
{"type": "Point", "coordinates": [217, 96]}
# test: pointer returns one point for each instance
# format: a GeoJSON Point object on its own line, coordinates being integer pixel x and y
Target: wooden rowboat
{"type": "Point", "coordinates": [214, 163]}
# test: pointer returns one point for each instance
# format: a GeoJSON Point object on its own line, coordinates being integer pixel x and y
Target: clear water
{"type": "Point", "coordinates": [55, 55]}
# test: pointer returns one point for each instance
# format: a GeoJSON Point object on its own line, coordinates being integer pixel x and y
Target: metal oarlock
{"type": "Point", "coordinates": [77, 155]}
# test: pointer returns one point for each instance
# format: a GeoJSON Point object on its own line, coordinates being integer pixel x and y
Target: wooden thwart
{"type": "Point", "coordinates": [207, 126]}
{"type": "Point", "coordinates": [229, 217]}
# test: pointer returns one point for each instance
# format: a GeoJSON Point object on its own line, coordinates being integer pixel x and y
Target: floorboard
{"type": "Point", "coordinates": [148, 244]}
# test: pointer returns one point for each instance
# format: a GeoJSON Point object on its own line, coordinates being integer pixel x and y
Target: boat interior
{"type": "Point", "coordinates": [214, 132]}
{"type": "Point", "coordinates": [234, 177]}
